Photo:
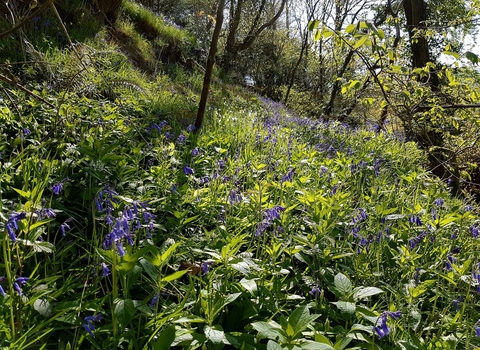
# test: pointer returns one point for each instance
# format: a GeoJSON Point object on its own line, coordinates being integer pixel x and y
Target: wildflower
{"type": "Point", "coordinates": [468, 207]}
{"type": "Point", "coordinates": [316, 290]}
{"type": "Point", "coordinates": [20, 281]}
{"type": "Point", "coordinates": [58, 187]}
{"type": "Point", "coordinates": [12, 224]}
{"type": "Point", "coordinates": [195, 152]}
{"type": "Point", "coordinates": [65, 226]}
{"type": "Point", "coordinates": [448, 265]}
{"type": "Point", "coordinates": [415, 219]}
{"type": "Point", "coordinates": [154, 300]}
{"type": "Point", "coordinates": [234, 197]}
{"type": "Point", "coordinates": [187, 170]}
{"type": "Point", "coordinates": [382, 328]}
{"type": "Point", "coordinates": [191, 128]}
{"type": "Point", "coordinates": [105, 270]}
{"type": "Point", "coordinates": [474, 230]}
{"type": "Point", "coordinates": [88, 323]}
{"type": "Point", "coordinates": [439, 202]}
{"type": "Point", "coordinates": [288, 176]}
{"type": "Point", "coordinates": [2, 292]}
{"type": "Point", "coordinates": [273, 213]}
{"type": "Point", "coordinates": [205, 266]}
{"type": "Point", "coordinates": [181, 139]}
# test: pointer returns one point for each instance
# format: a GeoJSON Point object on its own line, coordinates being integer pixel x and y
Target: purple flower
{"type": "Point", "coordinates": [191, 128]}
{"type": "Point", "coordinates": [382, 328]}
{"type": "Point", "coordinates": [181, 139]}
{"type": "Point", "coordinates": [474, 230]}
{"type": "Point", "coordinates": [58, 187]}
{"type": "Point", "coordinates": [439, 202]}
{"type": "Point", "coordinates": [288, 176]}
{"type": "Point", "coordinates": [448, 266]}
{"type": "Point", "coordinates": [12, 224]}
{"type": "Point", "coordinates": [187, 170]}
{"type": "Point", "coordinates": [195, 152]}
{"type": "Point", "coordinates": [2, 292]}
{"type": "Point", "coordinates": [415, 219]}
{"type": "Point", "coordinates": [65, 226]}
{"type": "Point", "coordinates": [316, 290]}
{"type": "Point", "coordinates": [154, 300]}
{"type": "Point", "coordinates": [88, 323]}
{"type": "Point", "coordinates": [20, 281]}
{"type": "Point", "coordinates": [105, 270]}
{"type": "Point", "coordinates": [205, 266]}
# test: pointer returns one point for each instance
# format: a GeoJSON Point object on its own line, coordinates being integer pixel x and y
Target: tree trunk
{"type": "Point", "coordinates": [210, 63]}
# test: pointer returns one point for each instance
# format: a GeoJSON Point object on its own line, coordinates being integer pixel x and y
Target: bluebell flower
{"type": "Point", "coordinates": [105, 270]}
{"type": "Point", "coordinates": [181, 139]}
{"type": "Point", "coordinates": [381, 328]}
{"type": "Point", "coordinates": [448, 265]}
{"type": "Point", "coordinates": [64, 227]}
{"type": "Point", "coordinates": [205, 266]}
{"type": "Point", "coordinates": [12, 224]}
{"type": "Point", "coordinates": [288, 176]}
{"type": "Point", "coordinates": [415, 219]}
{"type": "Point", "coordinates": [234, 197]}
{"type": "Point", "coordinates": [439, 202]}
{"type": "Point", "coordinates": [468, 207]}
{"type": "Point", "coordinates": [315, 291]}
{"type": "Point", "coordinates": [187, 170]}
{"type": "Point", "coordinates": [474, 230]}
{"type": "Point", "coordinates": [191, 127]}
{"type": "Point", "coordinates": [2, 292]}
{"type": "Point", "coordinates": [477, 329]}
{"type": "Point", "coordinates": [20, 281]}
{"type": "Point", "coordinates": [195, 152]}
{"type": "Point", "coordinates": [88, 323]}
{"type": "Point", "coordinates": [154, 300]}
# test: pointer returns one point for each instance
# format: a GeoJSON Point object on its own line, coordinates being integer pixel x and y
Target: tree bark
{"type": "Point", "coordinates": [209, 67]}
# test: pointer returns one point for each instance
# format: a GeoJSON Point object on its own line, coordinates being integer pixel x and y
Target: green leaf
{"type": "Point", "coordinates": [149, 268]}
{"type": "Point", "coordinates": [345, 306]}
{"type": "Point", "coordinates": [350, 28]}
{"type": "Point", "coordinates": [342, 284]}
{"type": "Point", "coordinates": [250, 286]}
{"type": "Point", "coordinates": [342, 343]}
{"type": "Point", "coordinates": [363, 292]}
{"type": "Point", "coordinates": [215, 334]}
{"type": "Point", "coordinates": [174, 276]}
{"type": "Point", "coordinates": [300, 318]}
{"type": "Point", "coordinates": [363, 39]}
{"type": "Point", "coordinates": [43, 307]}
{"type": "Point", "coordinates": [451, 53]}
{"type": "Point", "coordinates": [269, 330]}
{"type": "Point", "coordinates": [472, 57]}
{"type": "Point", "coordinates": [271, 345]}
{"type": "Point", "coordinates": [124, 310]}
{"type": "Point", "coordinates": [165, 339]}
{"type": "Point", "coordinates": [311, 345]}
{"type": "Point", "coordinates": [313, 24]}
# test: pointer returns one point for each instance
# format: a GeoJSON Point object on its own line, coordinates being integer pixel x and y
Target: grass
{"type": "Point", "coordinates": [123, 228]}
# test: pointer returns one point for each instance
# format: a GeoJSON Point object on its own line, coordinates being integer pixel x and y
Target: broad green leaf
{"type": "Point", "coordinates": [43, 307]}
{"type": "Point", "coordinates": [165, 339]}
{"type": "Point", "coordinates": [149, 268]}
{"type": "Point", "coordinates": [472, 57]}
{"type": "Point", "coordinates": [363, 292]}
{"type": "Point", "coordinates": [451, 53]}
{"type": "Point", "coordinates": [313, 24]}
{"type": "Point", "coordinates": [215, 334]}
{"type": "Point", "coordinates": [350, 28]}
{"type": "Point", "coordinates": [342, 284]}
{"type": "Point", "coordinates": [345, 306]}
{"type": "Point", "coordinates": [360, 42]}
{"type": "Point", "coordinates": [312, 345]}
{"type": "Point", "coordinates": [124, 310]}
{"type": "Point", "coordinates": [300, 318]}
{"type": "Point", "coordinates": [250, 286]}
{"type": "Point", "coordinates": [269, 330]}
{"type": "Point", "coordinates": [342, 343]}
{"type": "Point", "coordinates": [271, 345]}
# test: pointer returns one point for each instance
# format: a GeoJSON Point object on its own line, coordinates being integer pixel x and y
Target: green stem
{"type": "Point", "coordinates": [6, 254]}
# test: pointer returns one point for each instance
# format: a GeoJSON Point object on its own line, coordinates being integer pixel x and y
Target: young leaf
{"type": "Point", "coordinates": [342, 284]}
{"type": "Point", "coordinates": [300, 318]}
{"type": "Point", "coordinates": [313, 24]}
{"type": "Point", "coordinates": [269, 330]}
{"type": "Point", "coordinates": [216, 336]}
{"type": "Point", "coordinates": [166, 338]}
{"type": "Point", "coordinates": [363, 292]}
{"type": "Point", "coordinates": [124, 310]}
